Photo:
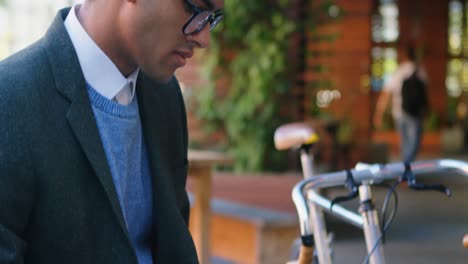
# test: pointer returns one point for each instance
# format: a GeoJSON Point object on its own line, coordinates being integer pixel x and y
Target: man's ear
{"type": "Point", "coordinates": [219, 4]}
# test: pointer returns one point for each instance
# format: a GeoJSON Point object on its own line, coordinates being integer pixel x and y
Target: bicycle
{"type": "Point", "coordinates": [311, 205]}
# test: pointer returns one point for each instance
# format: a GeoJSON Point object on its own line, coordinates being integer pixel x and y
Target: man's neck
{"type": "Point", "coordinates": [101, 28]}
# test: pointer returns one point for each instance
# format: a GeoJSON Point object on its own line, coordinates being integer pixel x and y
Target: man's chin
{"type": "Point", "coordinates": [160, 78]}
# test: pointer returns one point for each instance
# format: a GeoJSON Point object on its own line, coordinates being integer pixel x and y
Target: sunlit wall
{"type": "Point", "coordinates": [25, 21]}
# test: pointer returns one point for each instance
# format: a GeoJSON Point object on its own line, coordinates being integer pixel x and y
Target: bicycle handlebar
{"type": "Point", "coordinates": [369, 173]}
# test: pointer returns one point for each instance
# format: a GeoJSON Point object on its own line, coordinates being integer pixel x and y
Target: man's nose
{"type": "Point", "coordinates": [201, 38]}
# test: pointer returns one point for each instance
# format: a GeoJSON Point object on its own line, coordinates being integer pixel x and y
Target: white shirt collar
{"type": "Point", "coordinates": [98, 70]}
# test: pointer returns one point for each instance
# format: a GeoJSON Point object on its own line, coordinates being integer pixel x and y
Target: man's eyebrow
{"type": "Point", "coordinates": [209, 4]}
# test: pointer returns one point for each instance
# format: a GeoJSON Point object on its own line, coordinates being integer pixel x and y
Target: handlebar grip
{"type": "Point", "coordinates": [465, 241]}
{"type": "Point", "coordinates": [306, 255]}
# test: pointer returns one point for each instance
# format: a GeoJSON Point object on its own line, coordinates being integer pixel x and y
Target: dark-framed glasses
{"type": "Point", "coordinates": [200, 18]}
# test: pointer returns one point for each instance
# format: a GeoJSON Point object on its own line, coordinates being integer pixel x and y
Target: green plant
{"type": "Point", "coordinates": [250, 53]}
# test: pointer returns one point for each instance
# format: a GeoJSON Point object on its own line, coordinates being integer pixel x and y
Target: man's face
{"type": "Point", "coordinates": [153, 36]}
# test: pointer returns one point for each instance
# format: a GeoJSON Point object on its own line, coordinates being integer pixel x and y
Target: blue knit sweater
{"type": "Point", "coordinates": [120, 130]}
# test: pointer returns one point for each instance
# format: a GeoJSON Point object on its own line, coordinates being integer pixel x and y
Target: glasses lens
{"type": "Point", "coordinates": [198, 22]}
{"type": "Point", "coordinates": [216, 21]}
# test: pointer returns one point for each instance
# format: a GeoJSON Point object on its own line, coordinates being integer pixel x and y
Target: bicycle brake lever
{"type": "Point", "coordinates": [409, 176]}
{"type": "Point", "coordinates": [351, 186]}
{"type": "Point", "coordinates": [433, 187]}
{"type": "Point", "coordinates": [340, 199]}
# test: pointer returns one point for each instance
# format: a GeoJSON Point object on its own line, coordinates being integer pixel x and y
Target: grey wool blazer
{"type": "Point", "coordinates": [58, 203]}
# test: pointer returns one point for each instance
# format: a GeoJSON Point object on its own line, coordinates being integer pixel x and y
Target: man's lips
{"type": "Point", "coordinates": [182, 56]}
{"type": "Point", "coordinates": [186, 54]}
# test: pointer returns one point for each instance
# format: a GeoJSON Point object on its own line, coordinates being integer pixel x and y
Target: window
{"type": "Point", "coordinates": [385, 22]}
{"type": "Point", "coordinates": [384, 63]}
{"type": "Point", "coordinates": [385, 34]}
{"type": "Point", "coordinates": [456, 81]}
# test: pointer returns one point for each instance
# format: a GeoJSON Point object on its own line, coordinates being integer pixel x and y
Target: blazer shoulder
{"type": "Point", "coordinates": [23, 72]}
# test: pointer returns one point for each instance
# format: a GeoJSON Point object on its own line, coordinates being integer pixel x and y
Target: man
{"type": "Point", "coordinates": [409, 126]}
{"type": "Point", "coordinates": [93, 135]}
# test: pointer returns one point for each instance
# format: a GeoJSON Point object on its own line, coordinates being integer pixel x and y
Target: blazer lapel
{"type": "Point", "coordinates": [154, 119]}
{"type": "Point", "coordinates": [172, 237]}
{"type": "Point", "coordinates": [71, 84]}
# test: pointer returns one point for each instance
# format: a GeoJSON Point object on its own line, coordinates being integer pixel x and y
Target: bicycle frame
{"type": "Point", "coordinates": [310, 204]}
{"type": "Point", "coordinates": [323, 250]}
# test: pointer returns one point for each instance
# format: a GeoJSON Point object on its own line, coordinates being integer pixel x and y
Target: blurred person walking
{"type": "Point", "coordinates": [406, 88]}
{"type": "Point", "coordinates": [93, 135]}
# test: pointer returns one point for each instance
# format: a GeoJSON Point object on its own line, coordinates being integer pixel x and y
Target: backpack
{"type": "Point", "coordinates": [414, 95]}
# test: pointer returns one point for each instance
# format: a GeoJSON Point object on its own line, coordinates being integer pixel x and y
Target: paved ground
{"type": "Point", "coordinates": [428, 227]}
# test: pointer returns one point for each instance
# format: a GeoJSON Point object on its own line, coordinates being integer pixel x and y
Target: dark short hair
{"type": "Point", "coordinates": [411, 53]}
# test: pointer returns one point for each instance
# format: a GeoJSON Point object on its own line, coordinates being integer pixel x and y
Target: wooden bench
{"type": "Point", "coordinates": [200, 168]}
{"type": "Point", "coordinates": [246, 234]}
